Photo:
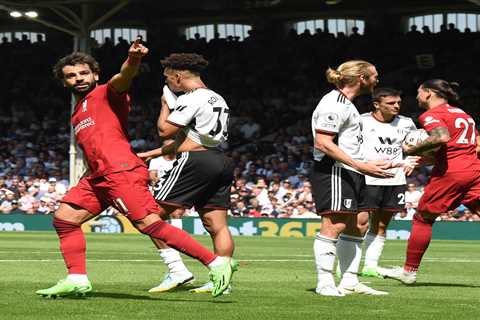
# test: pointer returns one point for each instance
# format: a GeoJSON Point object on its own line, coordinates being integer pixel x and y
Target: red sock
{"type": "Point", "coordinates": [180, 240]}
{"type": "Point", "coordinates": [72, 245]}
{"type": "Point", "coordinates": [418, 242]}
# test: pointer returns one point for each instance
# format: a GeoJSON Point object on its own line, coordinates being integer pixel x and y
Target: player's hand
{"type": "Point", "coordinates": [408, 149]}
{"type": "Point", "coordinates": [408, 170]}
{"type": "Point", "coordinates": [145, 156]}
{"type": "Point", "coordinates": [137, 49]}
{"type": "Point", "coordinates": [376, 168]}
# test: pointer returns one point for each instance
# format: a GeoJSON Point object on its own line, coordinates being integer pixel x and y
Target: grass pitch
{"type": "Point", "coordinates": [276, 281]}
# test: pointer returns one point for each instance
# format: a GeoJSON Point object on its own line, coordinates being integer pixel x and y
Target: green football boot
{"type": "Point", "coordinates": [370, 272]}
{"type": "Point", "coordinates": [221, 276]}
{"type": "Point", "coordinates": [66, 287]}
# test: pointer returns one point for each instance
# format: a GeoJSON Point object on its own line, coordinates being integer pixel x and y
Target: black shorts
{"type": "Point", "coordinates": [336, 189]}
{"type": "Point", "coordinates": [197, 178]}
{"type": "Point", "coordinates": [387, 198]}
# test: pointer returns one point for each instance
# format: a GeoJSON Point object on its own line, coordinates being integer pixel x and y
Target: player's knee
{"type": "Point", "coordinates": [144, 223]}
{"type": "Point", "coordinates": [69, 214]}
{"type": "Point", "coordinates": [177, 213]}
{"type": "Point", "coordinates": [424, 217]}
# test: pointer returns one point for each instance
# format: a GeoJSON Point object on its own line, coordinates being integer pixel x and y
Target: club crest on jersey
{"type": "Point", "coordinates": [430, 120]}
{"type": "Point", "coordinates": [84, 106]}
{"type": "Point", "coordinates": [347, 203]}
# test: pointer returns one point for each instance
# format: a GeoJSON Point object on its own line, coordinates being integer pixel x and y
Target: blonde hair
{"type": "Point", "coordinates": [348, 72]}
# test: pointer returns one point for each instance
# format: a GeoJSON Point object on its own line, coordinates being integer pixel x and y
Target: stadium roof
{"type": "Point", "coordinates": [153, 11]}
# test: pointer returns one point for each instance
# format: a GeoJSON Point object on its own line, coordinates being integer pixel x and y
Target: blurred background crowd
{"type": "Point", "coordinates": [272, 83]}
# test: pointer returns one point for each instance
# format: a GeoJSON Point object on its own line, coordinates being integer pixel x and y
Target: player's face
{"type": "Point", "coordinates": [423, 96]}
{"type": "Point", "coordinates": [388, 106]}
{"type": "Point", "coordinates": [80, 79]}
{"type": "Point", "coordinates": [369, 81]}
{"type": "Point", "coordinates": [173, 79]}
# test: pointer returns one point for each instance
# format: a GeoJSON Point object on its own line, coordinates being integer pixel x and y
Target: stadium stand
{"type": "Point", "coordinates": [272, 81]}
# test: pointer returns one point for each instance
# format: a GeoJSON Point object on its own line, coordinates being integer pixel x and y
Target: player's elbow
{"type": "Point", "coordinates": [322, 147]}
{"type": "Point", "coordinates": [164, 134]}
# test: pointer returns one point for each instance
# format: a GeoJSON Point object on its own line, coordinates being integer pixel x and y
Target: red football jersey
{"type": "Point", "coordinates": [459, 154]}
{"type": "Point", "coordinates": [100, 123]}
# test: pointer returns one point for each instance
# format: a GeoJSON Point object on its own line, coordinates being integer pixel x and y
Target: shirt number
{"type": "Point", "coordinates": [218, 127]}
{"type": "Point", "coordinates": [465, 124]}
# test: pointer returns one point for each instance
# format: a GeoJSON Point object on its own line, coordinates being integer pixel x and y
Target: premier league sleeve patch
{"type": "Point", "coordinates": [329, 122]}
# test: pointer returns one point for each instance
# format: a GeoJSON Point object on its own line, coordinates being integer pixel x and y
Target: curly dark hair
{"type": "Point", "coordinates": [192, 62]}
{"type": "Point", "coordinates": [73, 59]}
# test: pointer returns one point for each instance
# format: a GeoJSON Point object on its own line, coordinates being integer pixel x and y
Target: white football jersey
{"type": "Point", "coordinates": [161, 165]}
{"type": "Point", "coordinates": [204, 114]}
{"type": "Point", "coordinates": [336, 114]}
{"type": "Point", "coordinates": [383, 141]}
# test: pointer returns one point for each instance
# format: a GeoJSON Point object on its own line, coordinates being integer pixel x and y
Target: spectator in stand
{"type": "Point", "coordinates": [304, 213]}
{"type": "Point", "coordinates": [254, 209]}
{"type": "Point", "coordinates": [8, 202]}
{"type": "Point", "coordinates": [250, 130]}
{"type": "Point", "coordinates": [27, 200]}
{"type": "Point", "coordinates": [412, 196]}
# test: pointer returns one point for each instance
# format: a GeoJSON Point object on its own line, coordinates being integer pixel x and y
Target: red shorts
{"type": "Point", "coordinates": [447, 192]}
{"type": "Point", "coordinates": [127, 191]}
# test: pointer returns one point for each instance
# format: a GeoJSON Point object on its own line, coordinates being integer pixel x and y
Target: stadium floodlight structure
{"type": "Point", "coordinates": [81, 36]}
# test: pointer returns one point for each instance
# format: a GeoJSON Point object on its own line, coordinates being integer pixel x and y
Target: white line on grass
{"type": "Point", "coordinates": [449, 260]}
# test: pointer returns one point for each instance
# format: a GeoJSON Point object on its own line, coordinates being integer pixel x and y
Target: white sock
{"type": "Point", "coordinates": [373, 249]}
{"type": "Point", "coordinates": [217, 261]}
{"type": "Point", "coordinates": [325, 251]}
{"type": "Point", "coordinates": [349, 254]}
{"type": "Point", "coordinates": [78, 278]}
{"type": "Point", "coordinates": [173, 260]}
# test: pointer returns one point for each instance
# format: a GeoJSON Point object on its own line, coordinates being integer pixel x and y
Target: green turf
{"type": "Point", "coordinates": [276, 281]}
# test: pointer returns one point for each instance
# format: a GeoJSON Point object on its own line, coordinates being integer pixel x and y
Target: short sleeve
{"type": "Point", "coordinates": [431, 121]}
{"type": "Point", "coordinates": [330, 121]}
{"type": "Point", "coordinates": [153, 164]}
{"type": "Point", "coordinates": [183, 113]}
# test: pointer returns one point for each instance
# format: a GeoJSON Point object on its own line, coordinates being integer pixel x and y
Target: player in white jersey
{"type": "Point", "coordinates": [384, 131]}
{"type": "Point", "coordinates": [158, 167]}
{"type": "Point", "coordinates": [337, 178]}
{"type": "Point", "coordinates": [201, 175]}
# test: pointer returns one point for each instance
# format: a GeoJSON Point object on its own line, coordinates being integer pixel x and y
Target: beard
{"type": "Point", "coordinates": [422, 104]}
{"type": "Point", "coordinates": [83, 91]}
{"type": "Point", "coordinates": [367, 88]}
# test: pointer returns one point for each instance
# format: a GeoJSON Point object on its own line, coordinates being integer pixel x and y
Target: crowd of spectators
{"type": "Point", "coordinates": [271, 81]}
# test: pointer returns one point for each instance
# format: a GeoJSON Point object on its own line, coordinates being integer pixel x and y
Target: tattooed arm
{"type": "Point", "coordinates": [437, 137]}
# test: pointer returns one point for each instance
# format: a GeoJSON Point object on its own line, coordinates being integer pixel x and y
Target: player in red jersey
{"type": "Point", "coordinates": [455, 177]}
{"type": "Point", "coordinates": [116, 177]}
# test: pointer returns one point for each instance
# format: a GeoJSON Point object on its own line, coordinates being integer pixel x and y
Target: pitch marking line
{"type": "Point", "coordinates": [449, 260]}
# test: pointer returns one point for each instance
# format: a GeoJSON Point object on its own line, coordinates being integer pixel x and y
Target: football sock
{"type": "Point", "coordinates": [349, 254]}
{"type": "Point", "coordinates": [418, 242]}
{"type": "Point", "coordinates": [180, 240]}
{"type": "Point", "coordinates": [325, 251]}
{"type": "Point", "coordinates": [373, 249]}
{"type": "Point", "coordinates": [72, 245]}
{"type": "Point", "coordinates": [78, 278]}
{"type": "Point", "coordinates": [217, 261]}
{"type": "Point", "coordinates": [172, 260]}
